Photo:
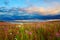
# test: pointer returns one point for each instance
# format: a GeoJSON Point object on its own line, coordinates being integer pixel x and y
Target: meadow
{"type": "Point", "coordinates": [30, 31]}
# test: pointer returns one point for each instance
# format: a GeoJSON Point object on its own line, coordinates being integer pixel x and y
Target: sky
{"type": "Point", "coordinates": [27, 3]}
{"type": "Point", "coordinates": [41, 7]}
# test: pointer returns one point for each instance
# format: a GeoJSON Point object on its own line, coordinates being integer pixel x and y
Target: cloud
{"type": "Point", "coordinates": [53, 8]}
{"type": "Point", "coordinates": [44, 11]}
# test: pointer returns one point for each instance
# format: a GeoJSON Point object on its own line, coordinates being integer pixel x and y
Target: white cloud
{"type": "Point", "coordinates": [53, 8]}
{"type": "Point", "coordinates": [44, 11]}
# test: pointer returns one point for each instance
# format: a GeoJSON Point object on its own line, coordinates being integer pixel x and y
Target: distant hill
{"type": "Point", "coordinates": [47, 23]}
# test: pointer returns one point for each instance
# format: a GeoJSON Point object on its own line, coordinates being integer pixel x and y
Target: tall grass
{"type": "Point", "coordinates": [30, 32]}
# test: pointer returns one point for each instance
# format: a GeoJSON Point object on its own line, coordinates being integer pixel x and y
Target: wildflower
{"type": "Point", "coordinates": [5, 29]}
{"type": "Point", "coordinates": [19, 26]}
{"type": "Point", "coordinates": [26, 31]}
{"type": "Point", "coordinates": [10, 33]}
{"type": "Point", "coordinates": [57, 34]}
{"type": "Point", "coordinates": [15, 38]}
{"type": "Point", "coordinates": [30, 33]}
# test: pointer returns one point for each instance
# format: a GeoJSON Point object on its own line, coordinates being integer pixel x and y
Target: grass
{"type": "Point", "coordinates": [30, 31]}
